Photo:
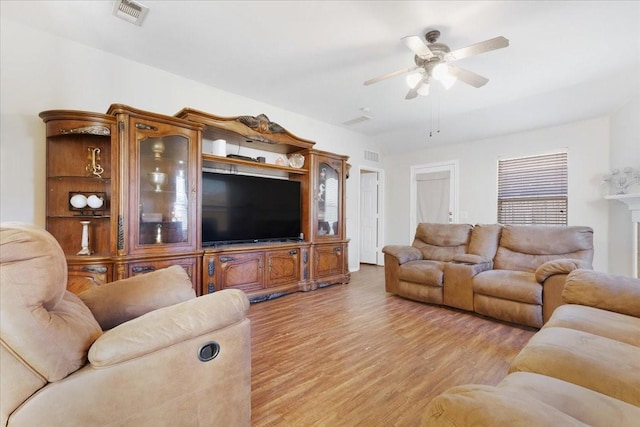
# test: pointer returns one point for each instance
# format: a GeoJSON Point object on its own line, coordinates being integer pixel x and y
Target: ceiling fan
{"type": "Point", "coordinates": [433, 62]}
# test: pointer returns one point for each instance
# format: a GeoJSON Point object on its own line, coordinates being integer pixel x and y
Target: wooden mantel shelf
{"type": "Point", "coordinates": [632, 201]}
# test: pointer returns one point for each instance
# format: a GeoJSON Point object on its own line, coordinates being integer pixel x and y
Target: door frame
{"type": "Point", "coordinates": [380, 225]}
{"type": "Point", "coordinates": [452, 167]}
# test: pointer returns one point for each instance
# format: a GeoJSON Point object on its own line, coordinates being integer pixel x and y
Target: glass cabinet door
{"type": "Point", "coordinates": [163, 183]}
{"type": "Point", "coordinates": [328, 199]}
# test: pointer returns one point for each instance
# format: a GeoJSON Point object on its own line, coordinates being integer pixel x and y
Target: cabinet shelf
{"type": "Point", "coordinates": [209, 160]}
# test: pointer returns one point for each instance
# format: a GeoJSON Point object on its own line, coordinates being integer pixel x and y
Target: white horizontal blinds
{"type": "Point", "coordinates": [533, 190]}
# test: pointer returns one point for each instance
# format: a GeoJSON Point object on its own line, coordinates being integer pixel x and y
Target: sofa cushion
{"type": "Point", "coordinates": [609, 324]}
{"type": "Point", "coordinates": [484, 240]}
{"type": "Point", "coordinates": [117, 302]}
{"type": "Point", "coordinates": [510, 285]}
{"type": "Point", "coordinates": [525, 248]}
{"type": "Point", "coordinates": [424, 272]}
{"type": "Point", "coordinates": [49, 327]}
{"type": "Point", "coordinates": [601, 364]}
{"type": "Point", "coordinates": [525, 399]}
{"type": "Point", "coordinates": [441, 242]}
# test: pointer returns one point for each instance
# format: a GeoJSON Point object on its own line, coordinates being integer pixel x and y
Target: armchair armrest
{"type": "Point", "coordinates": [403, 253]}
{"type": "Point", "coordinates": [117, 302]}
{"type": "Point", "coordinates": [169, 325]}
{"type": "Point", "coordinates": [603, 290]}
{"type": "Point", "coordinates": [559, 266]}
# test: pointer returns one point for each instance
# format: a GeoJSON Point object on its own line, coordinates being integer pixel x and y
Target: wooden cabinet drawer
{"type": "Point", "coordinates": [84, 276]}
{"type": "Point", "coordinates": [190, 265]}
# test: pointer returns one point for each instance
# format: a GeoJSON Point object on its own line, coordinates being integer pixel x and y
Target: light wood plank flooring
{"type": "Point", "coordinates": [350, 355]}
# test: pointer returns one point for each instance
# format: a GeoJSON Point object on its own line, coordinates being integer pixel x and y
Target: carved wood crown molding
{"type": "Point", "coordinates": [261, 123]}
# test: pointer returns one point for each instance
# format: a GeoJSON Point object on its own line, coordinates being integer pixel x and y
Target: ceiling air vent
{"type": "Point", "coordinates": [356, 120]}
{"type": "Point", "coordinates": [130, 11]}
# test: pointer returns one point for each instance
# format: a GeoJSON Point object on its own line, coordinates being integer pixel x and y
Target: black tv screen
{"type": "Point", "coordinates": [242, 208]}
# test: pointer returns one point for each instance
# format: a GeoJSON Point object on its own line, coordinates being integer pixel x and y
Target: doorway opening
{"type": "Point", "coordinates": [371, 216]}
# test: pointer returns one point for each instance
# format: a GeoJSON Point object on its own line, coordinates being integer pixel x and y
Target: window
{"type": "Point", "coordinates": [533, 190]}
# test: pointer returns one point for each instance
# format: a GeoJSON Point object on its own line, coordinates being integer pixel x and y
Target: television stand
{"type": "Point", "coordinates": [261, 269]}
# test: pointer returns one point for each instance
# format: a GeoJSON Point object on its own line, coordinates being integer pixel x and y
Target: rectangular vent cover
{"type": "Point", "coordinates": [356, 120]}
{"type": "Point", "coordinates": [371, 156]}
{"type": "Point", "coordinates": [131, 11]}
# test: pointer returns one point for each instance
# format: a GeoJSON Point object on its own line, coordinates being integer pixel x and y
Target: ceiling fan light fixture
{"type": "Point", "coordinates": [413, 79]}
{"type": "Point", "coordinates": [423, 89]}
{"type": "Point", "coordinates": [441, 73]}
{"type": "Point", "coordinates": [448, 81]}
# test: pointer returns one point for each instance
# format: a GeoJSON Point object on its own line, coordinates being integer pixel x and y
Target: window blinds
{"type": "Point", "coordinates": [533, 190]}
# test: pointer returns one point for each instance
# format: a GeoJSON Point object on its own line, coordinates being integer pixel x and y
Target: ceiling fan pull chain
{"type": "Point", "coordinates": [438, 130]}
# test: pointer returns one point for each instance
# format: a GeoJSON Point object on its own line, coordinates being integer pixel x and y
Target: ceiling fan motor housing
{"type": "Point", "coordinates": [439, 50]}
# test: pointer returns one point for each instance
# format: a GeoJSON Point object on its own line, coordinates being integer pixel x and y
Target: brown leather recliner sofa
{"type": "Point", "coordinates": [511, 273]}
{"type": "Point", "coordinates": [582, 367]}
{"type": "Point", "coordinates": [142, 351]}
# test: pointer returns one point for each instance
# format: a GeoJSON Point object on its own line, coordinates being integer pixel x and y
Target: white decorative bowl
{"type": "Point", "coordinates": [78, 201]}
{"type": "Point", "coordinates": [94, 201]}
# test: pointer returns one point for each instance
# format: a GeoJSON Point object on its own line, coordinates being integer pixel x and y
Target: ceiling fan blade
{"type": "Point", "coordinates": [418, 47]}
{"type": "Point", "coordinates": [478, 48]}
{"type": "Point", "coordinates": [389, 75]}
{"type": "Point", "coordinates": [413, 92]}
{"type": "Point", "coordinates": [468, 77]}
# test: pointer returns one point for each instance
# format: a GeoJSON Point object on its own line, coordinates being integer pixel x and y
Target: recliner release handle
{"type": "Point", "coordinates": [208, 351]}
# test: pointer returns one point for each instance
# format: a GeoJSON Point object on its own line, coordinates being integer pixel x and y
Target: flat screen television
{"type": "Point", "coordinates": [243, 208]}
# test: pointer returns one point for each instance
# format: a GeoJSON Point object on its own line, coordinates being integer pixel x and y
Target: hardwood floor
{"type": "Point", "coordinates": [350, 355]}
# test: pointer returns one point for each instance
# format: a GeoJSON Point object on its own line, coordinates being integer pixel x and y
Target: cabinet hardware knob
{"type": "Point", "coordinates": [94, 269]}
{"type": "Point", "coordinates": [226, 258]}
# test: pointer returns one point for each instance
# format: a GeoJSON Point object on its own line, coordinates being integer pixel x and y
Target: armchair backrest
{"type": "Point", "coordinates": [441, 242]}
{"type": "Point", "coordinates": [45, 331]}
{"type": "Point", "coordinates": [526, 247]}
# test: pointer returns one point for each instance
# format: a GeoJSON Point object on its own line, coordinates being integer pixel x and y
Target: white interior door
{"type": "Point", "coordinates": [434, 194]}
{"type": "Point", "coordinates": [369, 217]}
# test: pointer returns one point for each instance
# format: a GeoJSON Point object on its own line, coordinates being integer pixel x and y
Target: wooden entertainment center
{"type": "Point", "coordinates": [124, 198]}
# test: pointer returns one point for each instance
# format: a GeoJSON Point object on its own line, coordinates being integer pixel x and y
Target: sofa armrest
{"type": "Point", "coordinates": [117, 302]}
{"type": "Point", "coordinates": [403, 253]}
{"type": "Point", "coordinates": [169, 325]}
{"type": "Point", "coordinates": [559, 266]}
{"type": "Point", "coordinates": [472, 259]}
{"type": "Point", "coordinates": [603, 290]}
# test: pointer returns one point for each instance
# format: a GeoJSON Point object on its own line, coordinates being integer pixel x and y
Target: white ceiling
{"type": "Point", "coordinates": [567, 60]}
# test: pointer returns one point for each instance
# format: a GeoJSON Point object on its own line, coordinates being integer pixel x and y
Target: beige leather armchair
{"type": "Point", "coordinates": [137, 352]}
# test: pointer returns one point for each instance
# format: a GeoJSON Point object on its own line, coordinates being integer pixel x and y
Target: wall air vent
{"type": "Point", "coordinates": [371, 156]}
{"type": "Point", "coordinates": [356, 120]}
{"type": "Point", "coordinates": [131, 11]}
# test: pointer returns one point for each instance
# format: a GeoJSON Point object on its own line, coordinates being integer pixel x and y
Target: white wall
{"type": "Point", "coordinates": [587, 143]}
{"type": "Point", "coordinates": [625, 151]}
{"type": "Point", "coordinates": [41, 72]}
